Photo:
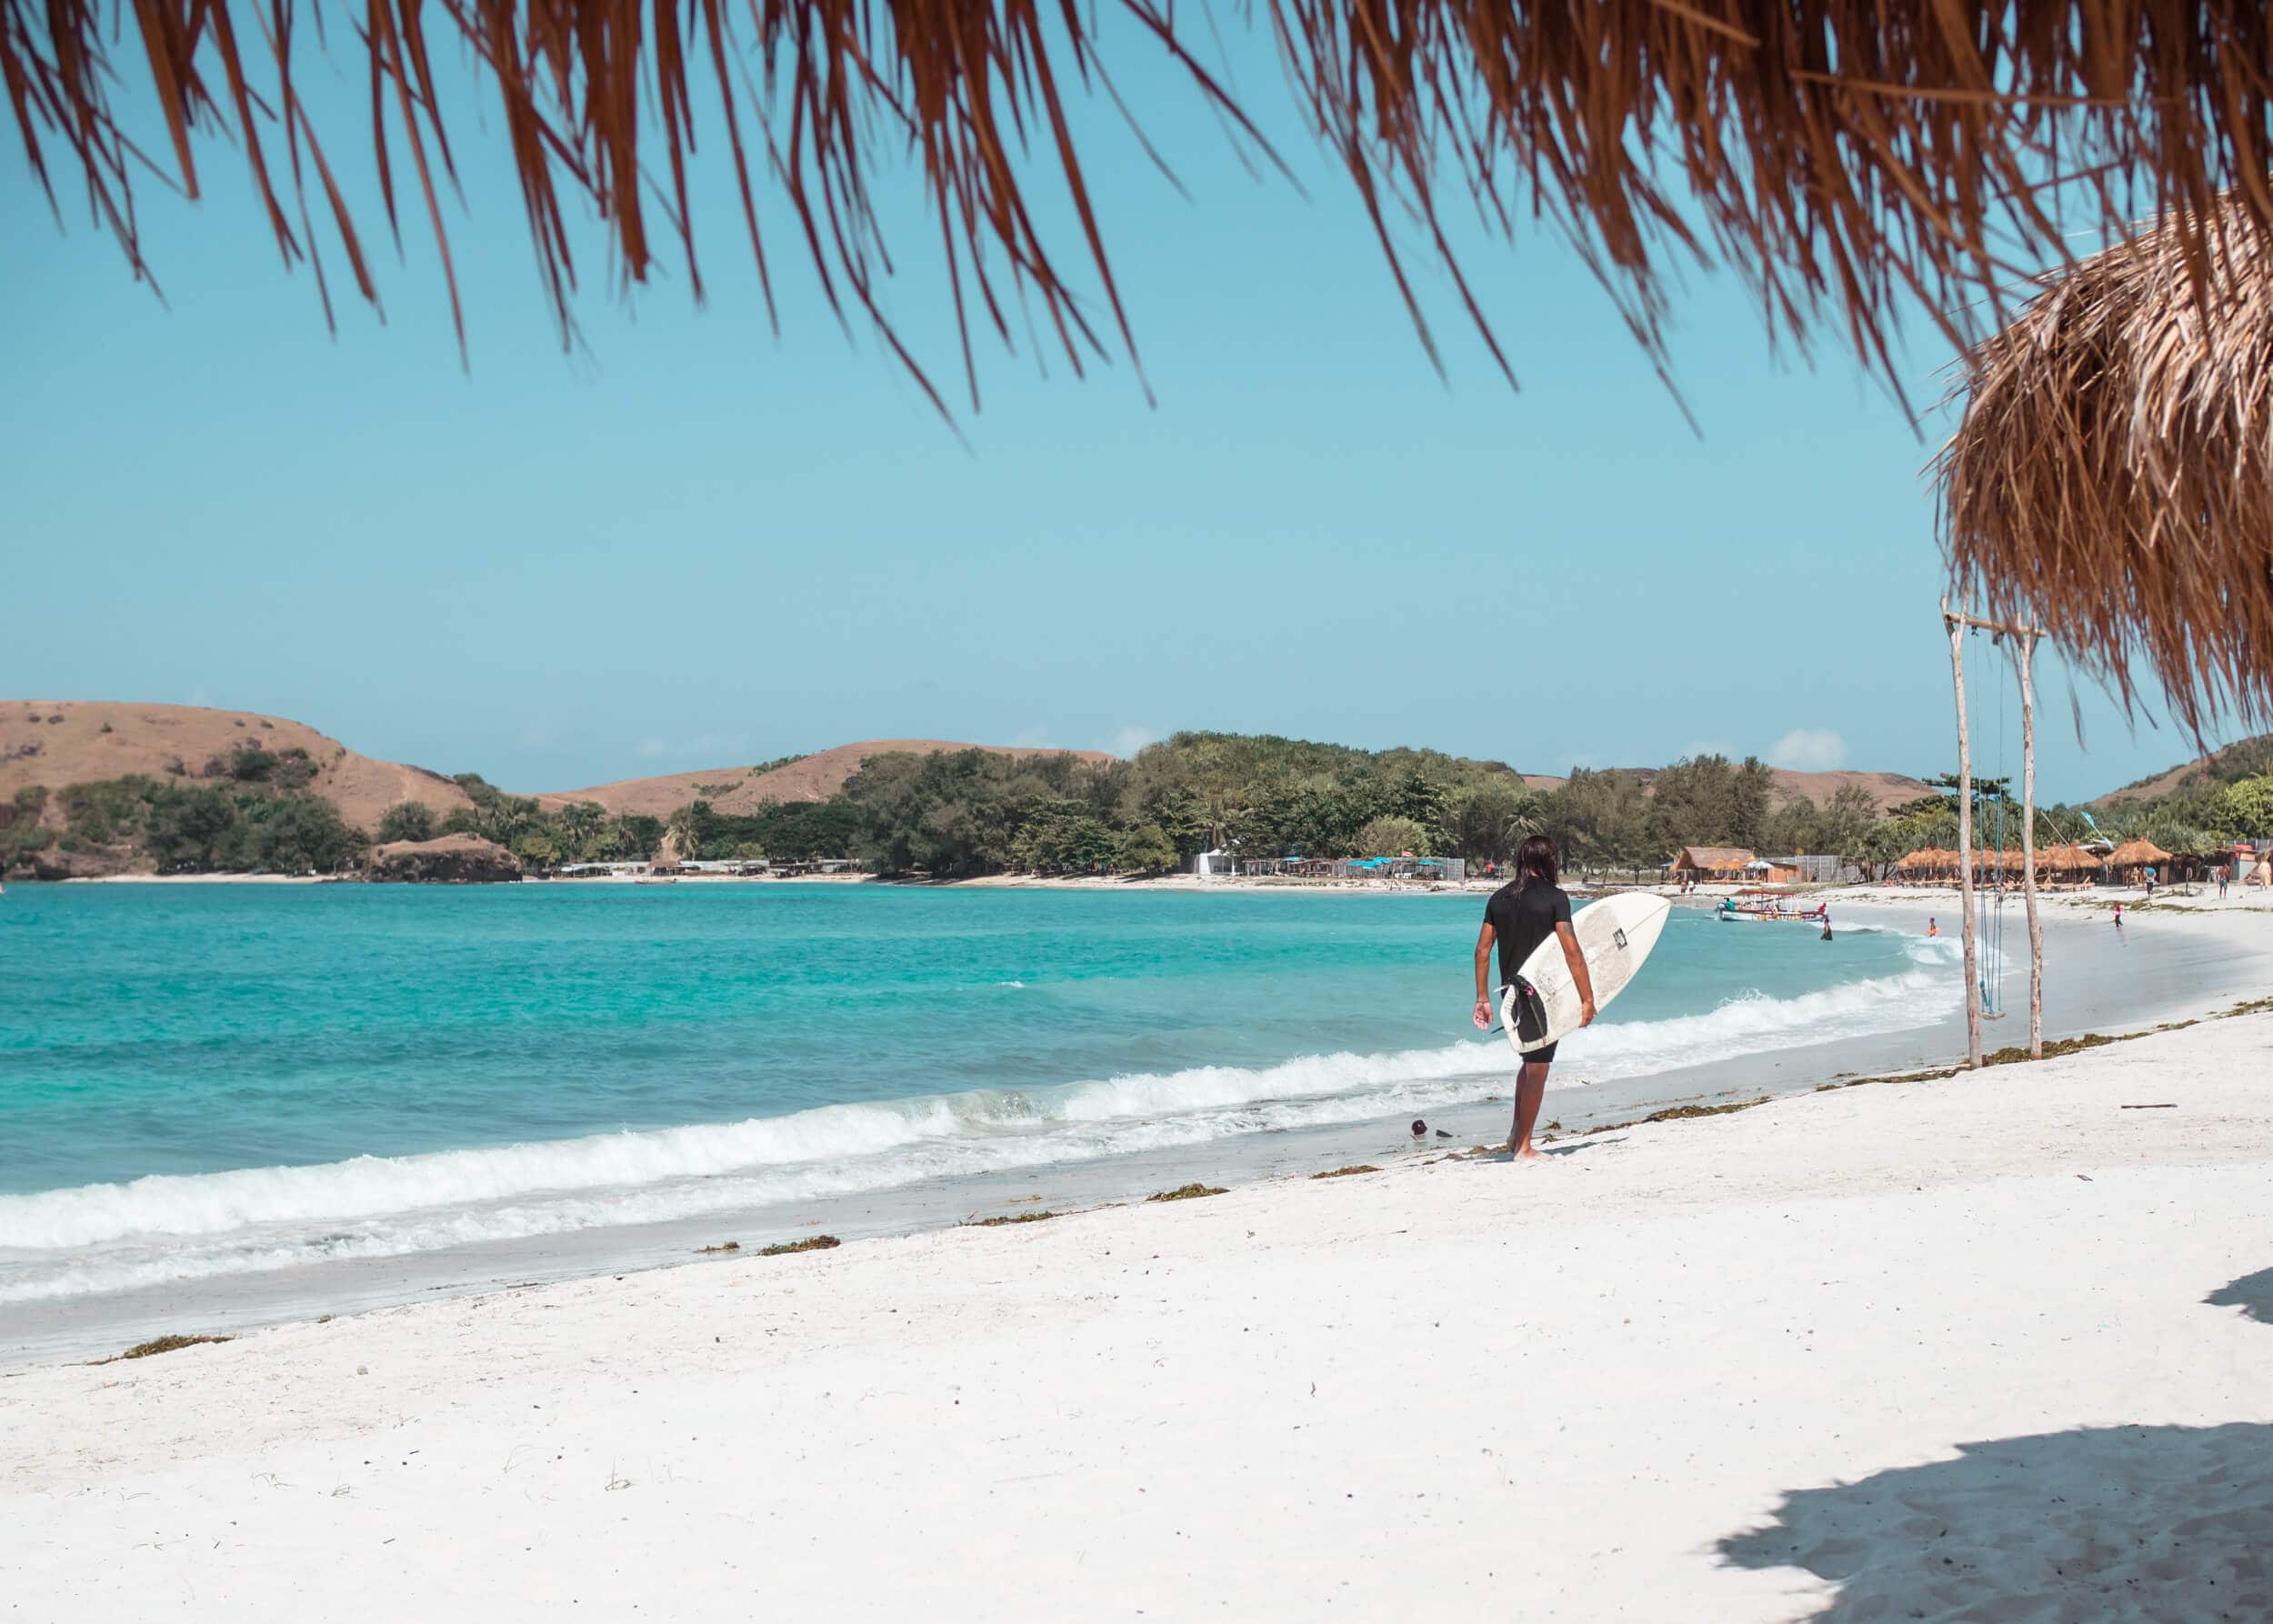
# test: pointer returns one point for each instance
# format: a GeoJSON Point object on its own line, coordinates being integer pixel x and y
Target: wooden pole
{"type": "Point", "coordinates": [2028, 843]}
{"type": "Point", "coordinates": [1965, 835]}
{"type": "Point", "coordinates": [2027, 637]}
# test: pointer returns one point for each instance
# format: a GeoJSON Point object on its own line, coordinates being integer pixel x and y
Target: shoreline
{"type": "Point", "coordinates": [1773, 1340]}
{"type": "Point", "coordinates": [2199, 899]}
{"type": "Point", "coordinates": [2097, 983]}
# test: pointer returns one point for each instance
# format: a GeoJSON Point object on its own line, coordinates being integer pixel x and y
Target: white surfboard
{"type": "Point", "coordinates": [1615, 936]}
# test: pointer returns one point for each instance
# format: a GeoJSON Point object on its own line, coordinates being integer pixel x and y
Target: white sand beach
{"type": "Point", "coordinates": [1988, 1346]}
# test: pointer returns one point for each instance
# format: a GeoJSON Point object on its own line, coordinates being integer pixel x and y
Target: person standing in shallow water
{"type": "Point", "coordinates": [1522, 913]}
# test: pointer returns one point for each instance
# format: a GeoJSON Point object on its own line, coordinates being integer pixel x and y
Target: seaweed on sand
{"type": "Point", "coordinates": [1188, 1192]}
{"type": "Point", "coordinates": [142, 1351]}
{"type": "Point", "coordinates": [1363, 1167]}
{"type": "Point", "coordinates": [811, 1243]}
{"type": "Point", "coordinates": [1683, 1113]}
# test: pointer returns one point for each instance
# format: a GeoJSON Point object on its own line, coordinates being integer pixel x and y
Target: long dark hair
{"type": "Point", "coordinates": [1536, 857]}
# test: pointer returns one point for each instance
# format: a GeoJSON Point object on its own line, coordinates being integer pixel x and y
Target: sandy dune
{"type": "Point", "coordinates": [1988, 1348]}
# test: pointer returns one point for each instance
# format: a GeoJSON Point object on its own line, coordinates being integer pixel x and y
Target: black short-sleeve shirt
{"type": "Point", "coordinates": [1522, 913]}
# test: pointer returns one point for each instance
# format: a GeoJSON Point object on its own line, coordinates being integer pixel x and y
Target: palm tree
{"type": "Point", "coordinates": [579, 821]}
{"type": "Point", "coordinates": [683, 828]}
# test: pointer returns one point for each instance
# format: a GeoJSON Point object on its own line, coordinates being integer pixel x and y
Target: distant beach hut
{"type": "Point", "coordinates": [1705, 864]}
{"type": "Point", "coordinates": [2128, 860]}
{"type": "Point", "coordinates": [1929, 863]}
{"type": "Point", "coordinates": [2071, 863]}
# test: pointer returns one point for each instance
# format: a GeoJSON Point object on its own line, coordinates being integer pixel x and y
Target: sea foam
{"type": "Point", "coordinates": [110, 1236]}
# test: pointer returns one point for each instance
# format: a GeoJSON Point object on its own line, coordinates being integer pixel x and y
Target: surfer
{"type": "Point", "coordinates": [1522, 913]}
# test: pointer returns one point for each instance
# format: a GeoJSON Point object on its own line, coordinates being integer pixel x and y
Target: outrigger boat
{"type": "Point", "coordinates": [1768, 910]}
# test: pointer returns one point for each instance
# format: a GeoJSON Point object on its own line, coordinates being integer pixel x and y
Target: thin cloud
{"type": "Point", "coordinates": [1809, 751]}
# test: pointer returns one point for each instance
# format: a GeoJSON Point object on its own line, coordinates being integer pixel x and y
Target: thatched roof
{"type": "Point", "coordinates": [1845, 157]}
{"type": "Point", "coordinates": [2112, 479]}
{"type": "Point", "coordinates": [1712, 858]}
{"type": "Point", "coordinates": [2059, 858]}
{"type": "Point", "coordinates": [1930, 857]}
{"type": "Point", "coordinates": [2133, 854]}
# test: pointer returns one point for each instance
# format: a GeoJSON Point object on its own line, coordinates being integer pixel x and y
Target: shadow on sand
{"type": "Point", "coordinates": [2141, 1523]}
{"type": "Point", "coordinates": [2252, 1294]}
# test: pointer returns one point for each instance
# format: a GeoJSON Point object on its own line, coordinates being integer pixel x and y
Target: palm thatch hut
{"type": "Point", "coordinates": [1705, 864]}
{"type": "Point", "coordinates": [1844, 158]}
{"type": "Point", "coordinates": [2112, 479]}
{"type": "Point", "coordinates": [2128, 860]}
{"type": "Point", "coordinates": [2071, 862]}
{"type": "Point", "coordinates": [1929, 863]}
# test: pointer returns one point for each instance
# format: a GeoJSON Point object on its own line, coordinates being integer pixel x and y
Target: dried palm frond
{"type": "Point", "coordinates": [1841, 154]}
{"type": "Point", "coordinates": [2112, 477]}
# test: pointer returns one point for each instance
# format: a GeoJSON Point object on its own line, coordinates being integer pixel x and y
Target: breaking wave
{"type": "Point", "coordinates": [113, 1237]}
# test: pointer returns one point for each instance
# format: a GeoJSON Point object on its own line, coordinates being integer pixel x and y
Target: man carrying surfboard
{"type": "Point", "coordinates": [1521, 915]}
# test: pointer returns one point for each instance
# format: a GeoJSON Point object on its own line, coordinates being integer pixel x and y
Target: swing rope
{"type": "Point", "coordinates": [1992, 900]}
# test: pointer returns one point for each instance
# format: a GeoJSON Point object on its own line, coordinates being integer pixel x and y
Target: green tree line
{"type": "Point", "coordinates": [256, 818]}
{"type": "Point", "coordinates": [969, 812]}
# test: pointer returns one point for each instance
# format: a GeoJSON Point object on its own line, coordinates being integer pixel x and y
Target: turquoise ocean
{"type": "Point", "coordinates": [205, 1081]}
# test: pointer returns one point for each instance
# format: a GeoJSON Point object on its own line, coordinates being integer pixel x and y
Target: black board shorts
{"type": "Point", "coordinates": [1530, 1021]}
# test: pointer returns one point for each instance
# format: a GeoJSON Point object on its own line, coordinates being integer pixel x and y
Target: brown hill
{"type": "Point", "coordinates": [1888, 790]}
{"type": "Point", "coordinates": [57, 742]}
{"type": "Point", "coordinates": [738, 790]}
{"type": "Point", "coordinates": [2240, 759]}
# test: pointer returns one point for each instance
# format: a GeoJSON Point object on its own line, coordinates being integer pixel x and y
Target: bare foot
{"type": "Point", "coordinates": [1523, 1152]}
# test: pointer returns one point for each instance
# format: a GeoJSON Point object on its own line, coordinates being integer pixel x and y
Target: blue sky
{"type": "Point", "coordinates": [693, 544]}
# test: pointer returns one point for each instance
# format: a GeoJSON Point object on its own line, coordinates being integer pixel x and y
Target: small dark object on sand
{"type": "Point", "coordinates": [2168, 1105]}
{"type": "Point", "coordinates": [1442, 1133]}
